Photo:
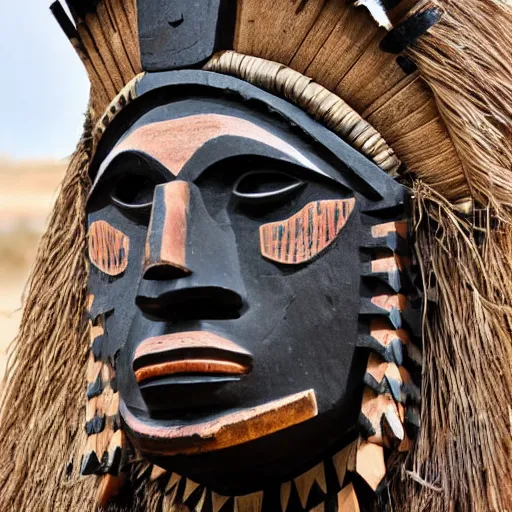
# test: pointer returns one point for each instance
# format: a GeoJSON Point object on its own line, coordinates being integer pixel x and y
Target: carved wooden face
{"type": "Point", "coordinates": [226, 270]}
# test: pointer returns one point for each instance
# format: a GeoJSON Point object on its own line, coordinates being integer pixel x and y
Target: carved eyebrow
{"type": "Point", "coordinates": [188, 134]}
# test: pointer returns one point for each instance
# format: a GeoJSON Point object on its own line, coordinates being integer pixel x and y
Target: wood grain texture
{"type": "Point", "coordinates": [307, 233]}
{"type": "Point", "coordinates": [385, 335]}
{"type": "Point", "coordinates": [382, 230]}
{"type": "Point", "coordinates": [379, 409]}
{"type": "Point", "coordinates": [108, 248]}
{"type": "Point", "coordinates": [370, 464]}
{"type": "Point", "coordinates": [189, 134]}
{"type": "Point", "coordinates": [109, 487]}
{"type": "Point", "coordinates": [344, 461]}
{"type": "Point", "coordinates": [305, 482]}
{"type": "Point", "coordinates": [249, 503]}
{"type": "Point", "coordinates": [347, 499]}
{"type": "Point", "coordinates": [389, 302]}
{"type": "Point", "coordinates": [228, 430]}
{"type": "Point", "coordinates": [167, 233]}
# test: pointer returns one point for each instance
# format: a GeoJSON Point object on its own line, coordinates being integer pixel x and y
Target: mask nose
{"type": "Point", "coordinates": [166, 241]}
{"type": "Point", "coordinates": [191, 268]}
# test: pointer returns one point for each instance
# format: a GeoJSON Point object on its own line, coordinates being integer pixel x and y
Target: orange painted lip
{"type": "Point", "coordinates": [194, 352]}
{"type": "Point", "coordinates": [229, 430]}
{"type": "Point", "coordinates": [205, 366]}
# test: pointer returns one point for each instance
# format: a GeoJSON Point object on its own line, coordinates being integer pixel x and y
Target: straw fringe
{"type": "Point", "coordinates": [42, 415]}
{"type": "Point", "coordinates": [467, 62]}
{"type": "Point", "coordinates": [463, 456]}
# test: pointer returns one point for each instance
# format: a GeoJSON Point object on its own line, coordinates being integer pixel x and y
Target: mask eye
{"type": "Point", "coordinates": [257, 187]}
{"type": "Point", "coordinates": [134, 192]}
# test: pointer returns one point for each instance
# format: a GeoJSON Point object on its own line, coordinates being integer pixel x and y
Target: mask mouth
{"type": "Point", "coordinates": [185, 370]}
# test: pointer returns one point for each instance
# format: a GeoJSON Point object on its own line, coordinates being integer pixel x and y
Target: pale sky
{"type": "Point", "coordinates": [43, 86]}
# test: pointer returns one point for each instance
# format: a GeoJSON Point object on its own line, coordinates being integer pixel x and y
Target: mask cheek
{"type": "Point", "coordinates": [306, 234]}
{"type": "Point", "coordinates": [108, 248]}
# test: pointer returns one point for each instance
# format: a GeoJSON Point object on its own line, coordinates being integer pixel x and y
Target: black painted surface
{"type": "Point", "coordinates": [183, 33]}
{"type": "Point", "coordinates": [407, 32]}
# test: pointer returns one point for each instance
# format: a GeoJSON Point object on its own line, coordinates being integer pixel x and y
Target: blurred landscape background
{"type": "Point", "coordinates": [27, 191]}
{"type": "Point", "coordinates": [43, 97]}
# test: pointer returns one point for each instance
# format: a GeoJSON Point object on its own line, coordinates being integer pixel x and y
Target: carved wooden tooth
{"type": "Point", "coordinates": [173, 481]}
{"type": "Point", "coordinates": [373, 409]}
{"type": "Point", "coordinates": [382, 230]}
{"type": "Point", "coordinates": [370, 465]}
{"type": "Point", "coordinates": [108, 487]}
{"type": "Point", "coordinates": [378, 12]}
{"type": "Point", "coordinates": [112, 407]}
{"type": "Point", "coordinates": [249, 503]}
{"type": "Point", "coordinates": [93, 369]}
{"type": "Point", "coordinates": [90, 409]}
{"type": "Point", "coordinates": [115, 452]}
{"type": "Point", "coordinates": [305, 482]}
{"type": "Point", "coordinates": [344, 461]}
{"type": "Point", "coordinates": [218, 501]}
{"type": "Point", "coordinates": [384, 340]}
{"type": "Point", "coordinates": [190, 487]}
{"type": "Point", "coordinates": [90, 461]}
{"type": "Point", "coordinates": [347, 499]}
{"type": "Point", "coordinates": [202, 501]}
{"type": "Point", "coordinates": [286, 489]}
{"type": "Point", "coordinates": [392, 423]}
{"type": "Point", "coordinates": [157, 472]}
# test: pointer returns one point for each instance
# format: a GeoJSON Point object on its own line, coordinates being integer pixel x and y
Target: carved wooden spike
{"type": "Point", "coordinates": [347, 499]}
{"type": "Point", "coordinates": [319, 508]}
{"type": "Point", "coordinates": [90, 409]}
{"type": "Point", "coordinates": [389, 302]}
{"type": "Point", "coordinates": [305, 482]}
{"type": "Point", "coordinates": [173, 481]}
{"type": "Point", "coordinates": [93, 369]}
{"type": "Point", "coordinates": [384, 340]}
{"type": "Point", "coordinates": [90, 301]}
{"type": "Point", "coordinates": [157, 472]}
{"type": "Point", "coordinates": [345, 461]}
{"type": "Point", "coordinates": [249, 503]}
{"type": "Point", "coordinates": [374, 409]}
{"type": "Point", "coordinates": [115, 451]}
{"type": "Point", "coordinates": [108, 248]}
{"type": "Point", "coordinates": [202, 501]}
{"type": "Point", "coordinates": [90, 460]}
{"type": "Point", "coordinates": [218, 501]}
{"type": "Point", "coordinates": [109, 487]}
{"type": "Point", "coordinates": [286, 489]}
{"type": "Point", "coordinates": [190, 487]}
{"type": "Point", "coordinates": [381, 230]}
{"type": "Point", "coordinates": [370, 465]}
{"type": "Point", "coordinates": [307, 233]}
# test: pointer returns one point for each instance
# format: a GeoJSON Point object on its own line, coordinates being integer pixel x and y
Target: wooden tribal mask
{"type": "Point", "coordinates": [236, 224]}
{"type": "Point", "coordinates": [249, 288]}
